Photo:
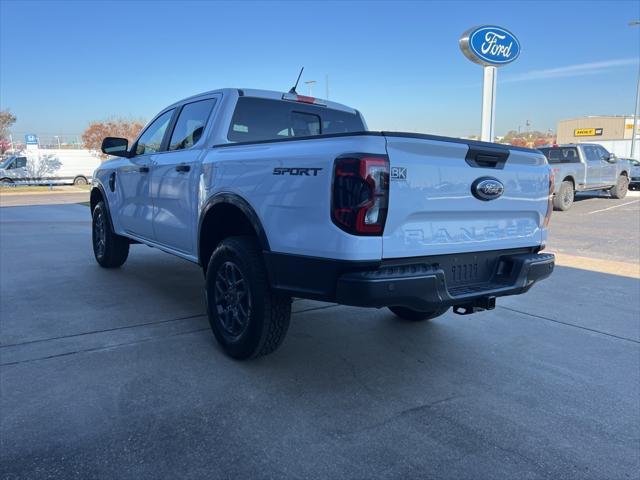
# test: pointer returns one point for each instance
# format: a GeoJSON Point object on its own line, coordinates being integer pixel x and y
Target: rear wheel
{"type": "Point", "coordinates": [564, 198]}
{"type": "Point", "coordinates": [247, 318]}
{"type": "Point", "coordinates": [6, 181]}
{"type": "Point", "coordinates": [621, 188]}
{"type": "Point", "coordinates": [110, 250]}
{"type": "Point", "coordinates": [417, 315]}
{"type": "Point", "coordinates": [80, 180]}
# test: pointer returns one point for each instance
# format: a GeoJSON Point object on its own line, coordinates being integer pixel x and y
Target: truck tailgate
{"type": "Point", "coordinates": [432, 207]}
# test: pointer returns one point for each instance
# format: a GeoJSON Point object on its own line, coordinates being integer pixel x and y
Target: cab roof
{"type": "Point", "coordinates": [271, 94]}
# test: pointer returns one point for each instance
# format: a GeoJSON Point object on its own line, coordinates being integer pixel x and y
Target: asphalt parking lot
{"type": "Point", "coordinates": [115, 374]}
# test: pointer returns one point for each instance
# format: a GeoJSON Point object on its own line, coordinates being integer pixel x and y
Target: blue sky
{"type": "Point", "coordinates": [63, 64]}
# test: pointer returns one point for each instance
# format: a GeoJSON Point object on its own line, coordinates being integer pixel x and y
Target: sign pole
{"type": "Point", "coordinates": [488, 103]}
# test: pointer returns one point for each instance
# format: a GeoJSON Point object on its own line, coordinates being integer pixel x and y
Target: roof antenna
{"type": "Point", "coordinates": [293, 89]}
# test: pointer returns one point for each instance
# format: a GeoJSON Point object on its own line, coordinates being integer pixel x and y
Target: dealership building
{"type": "Point", "coordinates": [614, 132]}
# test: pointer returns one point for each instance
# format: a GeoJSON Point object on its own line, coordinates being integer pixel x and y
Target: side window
{"type": "Point", "coordinates": [151, 139]}
{"type": "Point", "coordinates": [20, 162]}
{"type": "Point", "coordinates": [591, 154]}
{"type": "Point", "coordinates": [602, 153]}
{"type": "Point", "coordinates": [190, 124]}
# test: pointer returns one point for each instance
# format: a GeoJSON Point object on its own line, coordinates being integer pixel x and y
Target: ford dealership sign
{"type": "Point", "coordinates": [490, 45]}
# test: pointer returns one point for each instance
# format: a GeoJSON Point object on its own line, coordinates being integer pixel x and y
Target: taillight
{"type": "Point", "coordinates": [360, 194]}
{"type": "Point", "coordinates": [547, 216]}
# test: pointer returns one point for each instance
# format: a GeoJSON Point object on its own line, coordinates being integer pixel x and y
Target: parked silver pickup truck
{"type": "Point", "coordinates": [585, 167]}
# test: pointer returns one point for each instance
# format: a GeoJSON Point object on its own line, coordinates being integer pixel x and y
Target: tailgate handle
{"type": "Point", "coordinates": [486, 157]}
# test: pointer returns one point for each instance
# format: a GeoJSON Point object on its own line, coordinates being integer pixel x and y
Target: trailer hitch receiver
{"type": "Point", "coordinates": [482, 303]}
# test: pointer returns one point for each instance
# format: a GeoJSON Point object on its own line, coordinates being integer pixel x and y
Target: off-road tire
{"type": "Point", "coordinates": [621, 188]}
{"type": "Point", "coordinates": [265, 314]}
{"type": "Point", "coordinates": [416, 315]}
{"type": "Point", "coordinates": [114, 250]}
{"type": "Point", "coordinates": [564, 198]}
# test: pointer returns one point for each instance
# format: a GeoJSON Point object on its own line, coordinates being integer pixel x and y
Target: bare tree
{"type": "Point", "coordinates": [97, 131]}
{"type": "Point", "coordinates": [6, 120]}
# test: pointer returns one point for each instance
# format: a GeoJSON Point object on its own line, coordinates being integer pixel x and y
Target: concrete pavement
{"type": "Point", "coordinates": [115, 374]}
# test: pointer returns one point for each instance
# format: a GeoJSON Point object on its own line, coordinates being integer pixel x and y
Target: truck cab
{"type": "Point", "coordinates": [13, 168]}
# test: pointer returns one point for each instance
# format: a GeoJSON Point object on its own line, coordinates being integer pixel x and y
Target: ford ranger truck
{"type": "Point", "coordinates": [585, 167]}
{"type": "Point", "coordinates": [282, 195]}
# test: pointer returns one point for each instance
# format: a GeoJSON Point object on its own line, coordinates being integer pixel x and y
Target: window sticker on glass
{"type": "Point", "coordinates": [240, 128]}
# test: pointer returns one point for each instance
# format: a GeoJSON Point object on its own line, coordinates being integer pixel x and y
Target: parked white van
{"type": "Point", "coordinates": [49, 166]}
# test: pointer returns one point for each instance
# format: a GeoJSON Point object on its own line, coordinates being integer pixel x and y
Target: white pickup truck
{"type": "Point", "coordinates": [281, 195]}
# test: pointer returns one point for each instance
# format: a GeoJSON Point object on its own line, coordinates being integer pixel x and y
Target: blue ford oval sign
{"type": "Point", "coordinates": [487, 188]}
{"type": "Point", "coordinates": [490, 45]}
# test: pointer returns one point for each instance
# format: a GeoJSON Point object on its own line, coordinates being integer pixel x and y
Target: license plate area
{"type": "Point", "coordinates": [468, 269]}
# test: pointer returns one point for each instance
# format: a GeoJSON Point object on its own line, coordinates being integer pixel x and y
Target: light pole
{"type": "Point", "coordinates": [326, 83]}
{"type": "Point", "coordinates": [58, 139]}
{"type": "Point", "coordinates": [310, 84]}
{"type": "Point", "coordinates": [634, 131]}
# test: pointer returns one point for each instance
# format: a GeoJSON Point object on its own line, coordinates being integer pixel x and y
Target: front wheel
{"type": "Point", "coordinates": [621, 188]}
{"type": "Point", "coordinates": [110, 250]}
{"type": "Point", "coordinates": [417, 315]}
{"type": "Point", "coordinates": [247, 318]}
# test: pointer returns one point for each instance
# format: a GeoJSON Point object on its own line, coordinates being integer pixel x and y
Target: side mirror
{"type": "Point", "coordinates": [116, 146]}
{"type": "Point", "coordinates": [611, 158]}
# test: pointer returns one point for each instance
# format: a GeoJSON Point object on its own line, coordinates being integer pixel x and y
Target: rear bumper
{"type": "Point", "coordinates": [422, 283]}
{"type": "Point", "coordinates": [425, 287]}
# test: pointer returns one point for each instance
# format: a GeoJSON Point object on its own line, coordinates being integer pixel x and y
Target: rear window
{"type": "Point", "coordinates": [561, 154]}
{"type": "Point", "coordinates": [258, 119]}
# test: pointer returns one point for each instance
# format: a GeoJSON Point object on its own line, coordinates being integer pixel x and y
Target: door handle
{"type": "Point", "coordinates": [143, 169]}
{"type": "Point", "coordinates": [183, 168]}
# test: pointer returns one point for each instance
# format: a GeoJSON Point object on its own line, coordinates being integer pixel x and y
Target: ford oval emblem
{"type": "Point", "coordinates": [487, 188]}
{"type": "Point", "coordinates": [490, 45]}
